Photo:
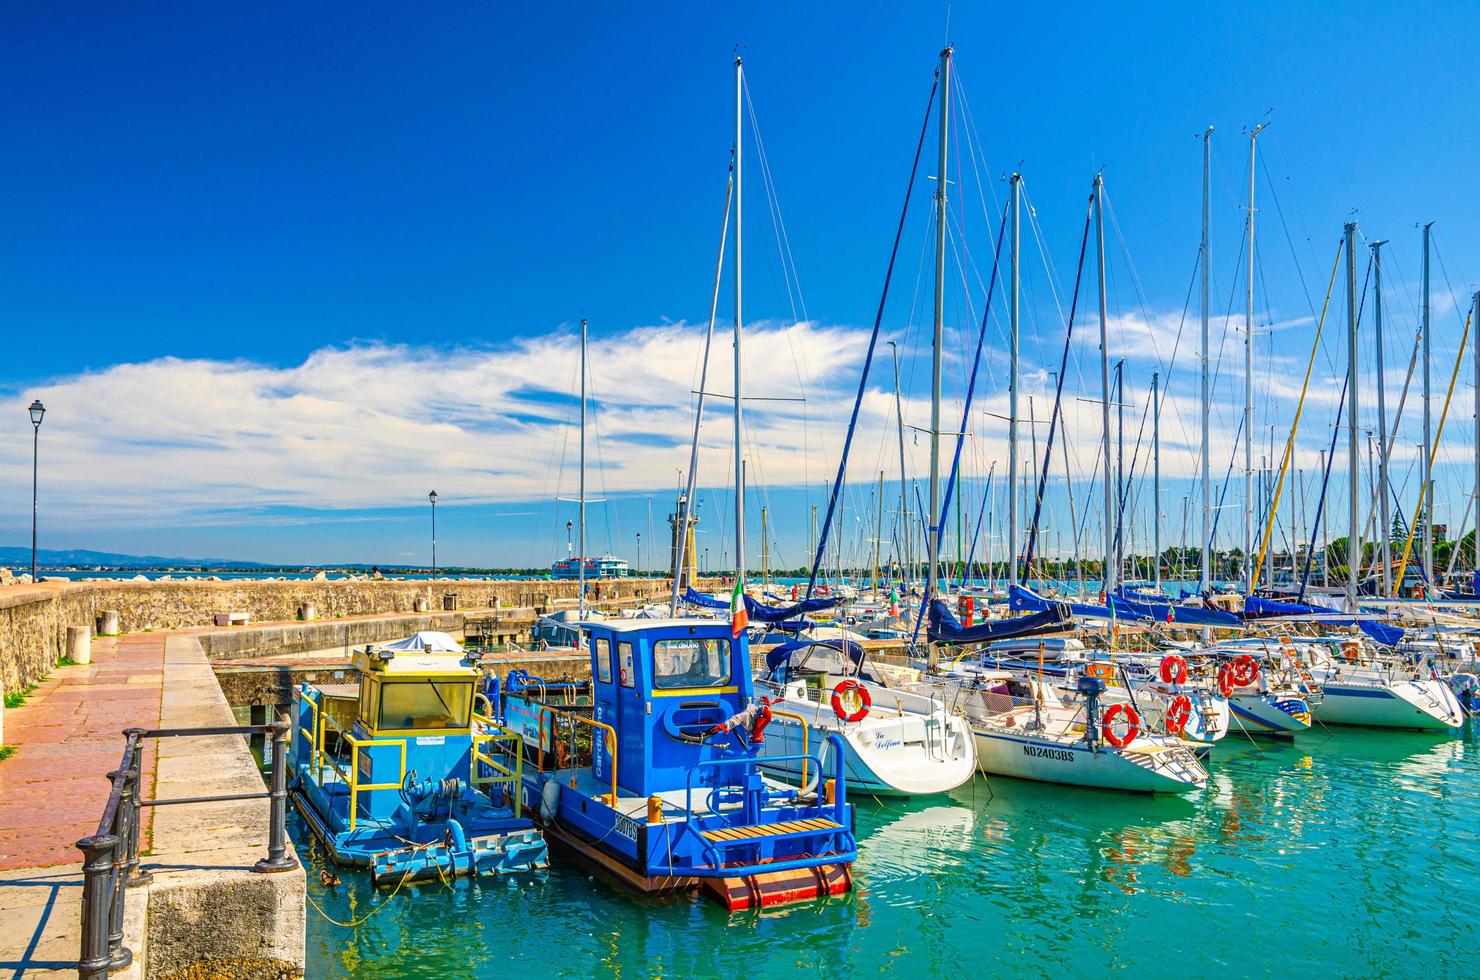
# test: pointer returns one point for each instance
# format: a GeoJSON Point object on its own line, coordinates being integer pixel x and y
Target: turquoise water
{"type": "Point", "coordinates": [1352, 854]}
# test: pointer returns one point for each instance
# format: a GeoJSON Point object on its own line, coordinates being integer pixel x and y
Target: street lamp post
{"type": "Point", "coordinates": [433, 498]}
{"type": "Point", "coordinates": [639, 551]}
{"type": "Point", "coordinates": [37, 411]}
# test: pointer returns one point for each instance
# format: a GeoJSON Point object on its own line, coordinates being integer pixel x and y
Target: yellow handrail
{"type": "Point", "coordinates": [1433, 451]}
{"type": "Point", "coordinates": [611, 740]}
{"type": "Point", "coordinates": [498, 733]}
{"type": "Point", "coordinates": [1279, 486]}
{"type": "Point", "coordinates": [352, 777]}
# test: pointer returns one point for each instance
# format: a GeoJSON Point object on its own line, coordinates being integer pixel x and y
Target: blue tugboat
{"type": "Point", "coordinates": [401, 774]}
{"type": "Point", "coordinates": [658, 783]}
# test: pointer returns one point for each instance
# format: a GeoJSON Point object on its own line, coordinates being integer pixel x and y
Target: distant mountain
{"type": "Point", "coordinates": [15, 558]}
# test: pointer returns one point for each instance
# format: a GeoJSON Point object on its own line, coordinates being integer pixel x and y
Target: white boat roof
{"type": "Point", "coordinates": [637, 625]}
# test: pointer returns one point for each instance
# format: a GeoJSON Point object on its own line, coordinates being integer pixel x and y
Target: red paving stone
{"type": "Point", "coordinates": [67, 739]}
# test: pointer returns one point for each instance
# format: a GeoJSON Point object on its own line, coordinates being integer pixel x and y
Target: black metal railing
{"type": "Point", "coordinates": [110, 858]}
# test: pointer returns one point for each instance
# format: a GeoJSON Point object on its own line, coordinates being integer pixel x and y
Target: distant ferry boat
{"type": "Point", "coordinates": [604, 567]}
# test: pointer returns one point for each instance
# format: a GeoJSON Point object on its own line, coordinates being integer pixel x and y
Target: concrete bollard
{"type": "Point", "coordinates": [79, 644]}
{"type": "Point", "coordinates": [421, 604]}
{"type": "Point", "coordinates": [108, 622]}
{"type": "Point", "coordinates": [308, 611]}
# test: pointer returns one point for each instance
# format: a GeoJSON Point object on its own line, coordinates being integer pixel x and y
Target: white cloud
{"type": "Point", "coordinates": [377, 425]}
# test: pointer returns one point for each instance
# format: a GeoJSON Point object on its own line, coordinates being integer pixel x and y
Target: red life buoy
{"type": "Point", "coordinates": [1225, 680]}
{"type": "Point", "coordinates": [855, 692]}
{"type": "Point", "coordinates": [1179, 712]}
{"type": "Point", "coordinates": [1174, 669]}
{"type": "Point", "coordinates": [1245, 669]}
{"type": "Point", "coordinates": [1132, 725]}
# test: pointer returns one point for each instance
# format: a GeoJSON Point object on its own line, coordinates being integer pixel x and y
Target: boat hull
{"type": "Point", "coordinates": [878, 764]}
{"type": "Point", "coordinates": [1076, 764]}
{"type": "Point", "coordinates": [1420, 705]}
{"type": "Point", "coordinates": [1268, 716]}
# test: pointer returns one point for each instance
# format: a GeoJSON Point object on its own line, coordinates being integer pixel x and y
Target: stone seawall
{"type": "Point", "coordinates": [34, 619]}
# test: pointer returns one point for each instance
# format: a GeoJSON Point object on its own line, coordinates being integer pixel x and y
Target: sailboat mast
{"type": "Point", "coordinates": [581, 484]}
{"type": "Point", "coordinates": [906, 536]}
{"type": "Point", "coordinates": [1012, 390]}
{"type": "Point", "coordinates": [932, 536]}
{"type": "Point", "coordinates": [1353, 540]}
{"type": "Point", "coordinates": [739, 399]}
{"type": "Point", "coordinates": [1205, 546]}
{"type": "Point", "coordinates": [1156, 477]}
{"type": "Point", "coordinates": [1120, 528]}
{"type": "Point", "coordinates": [1249, 375]}
{"type": "Point", "coordinates": [878, 532]}
{"type": "Point", "coordinates": [1476, 333]}
{"type": "Point", "coordinates": [1428, 456]}
{"type": "Point", "coordinates": [1108, 582]}
{"type": "Point", "coordinates": [1384, 531]}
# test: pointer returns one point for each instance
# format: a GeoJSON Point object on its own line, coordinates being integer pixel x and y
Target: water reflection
{"type": "Point", "coordinates": [1322, 840]}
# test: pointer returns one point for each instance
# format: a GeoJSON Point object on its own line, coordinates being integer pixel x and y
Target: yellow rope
{"type": "Point", "coordinates": [1274, 507]}
{"type": "Point", "coordinates": [1433, 451]}
{"type": "Point", "coordinates": [367, 915]}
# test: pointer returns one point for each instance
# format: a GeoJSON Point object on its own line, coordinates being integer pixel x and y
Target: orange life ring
{"type": "Point", "coordinates": [1245, 669]}
{"type": "Point", "coordinates": [1179, 712]}
{"type": "Point", "coordinates": [1350, 648]}
{"type": "Point", "coordinates": [858, 694]}
{"type": "Point", "coordinates": [1225, 680]}
{"type": "Point", "coordinates": [1174, 669]}
{"type": "Point", "coordinates": [1132, 725]}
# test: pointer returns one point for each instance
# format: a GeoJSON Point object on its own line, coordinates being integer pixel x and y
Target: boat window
{"type": "Point", "coordinates": [425, 704]}
{"type": "Point", "coordinates": [690, 663]}
{"type": "Point", "coordinates": [624, 654]}
{"type": "Point", "coordinates": [369, 700]}
{"type": "Point", "coordinates": [604, 661]}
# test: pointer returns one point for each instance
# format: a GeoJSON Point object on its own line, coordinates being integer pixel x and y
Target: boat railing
{"type": "Point", "coordinates": [111, 864]}
{"type": "Point", "coordinates": [609, 735]}
{"type": "Point", "coordinates": [348, 775]}
{"type": "Point", "coordinates": [833, 802]}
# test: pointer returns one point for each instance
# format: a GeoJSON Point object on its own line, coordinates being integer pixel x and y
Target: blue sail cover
{"type": "Point", "coordinates": [762, 613]}
{"type": "Point", "coordinates": [1258, 607]}
{"type": "Point", "coordinates": [1171, 612]}
{"type": "Point", "coordinates": [696, 598]}
{"type": "Point", "coordinates": [946, 628]}
{"type": "Point", "coordinates": [759, 611]}
{"type": "Point", "coordinates": [1020, 599]}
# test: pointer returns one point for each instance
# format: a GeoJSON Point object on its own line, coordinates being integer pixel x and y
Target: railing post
{"type": "Point", "coordinates": [133, 877]}
{"type": "Point", "coordinates": [97, 872]}
{"type": "Point", "coordinates": [119, 955]}
{"type": "Point", "coordinates": [278, 858]}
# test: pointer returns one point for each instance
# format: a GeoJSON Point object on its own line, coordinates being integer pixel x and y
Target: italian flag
{"type": "Point", "coordinates": [739, 618]}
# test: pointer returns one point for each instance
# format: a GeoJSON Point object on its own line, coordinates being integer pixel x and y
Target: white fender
{"type": "Point", "coordinates": [549, 800]}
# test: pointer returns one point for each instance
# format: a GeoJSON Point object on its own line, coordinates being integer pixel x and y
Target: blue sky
{"type": "Point", "coordinates": [279, 270]}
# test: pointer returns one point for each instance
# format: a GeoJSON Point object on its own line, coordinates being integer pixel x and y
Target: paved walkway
{"type": "Point", "coordinates": [67, 739]}
{"type": "Point", "coordinates": [53, 788]}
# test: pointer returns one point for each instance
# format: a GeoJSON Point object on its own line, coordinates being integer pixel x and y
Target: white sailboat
{"type": "Point", "coordinates": [1360, 687]}
{"type": "Point", "coordinates": [898, 742]}
{"type": "Point", "coordinates": [1024, 729]}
